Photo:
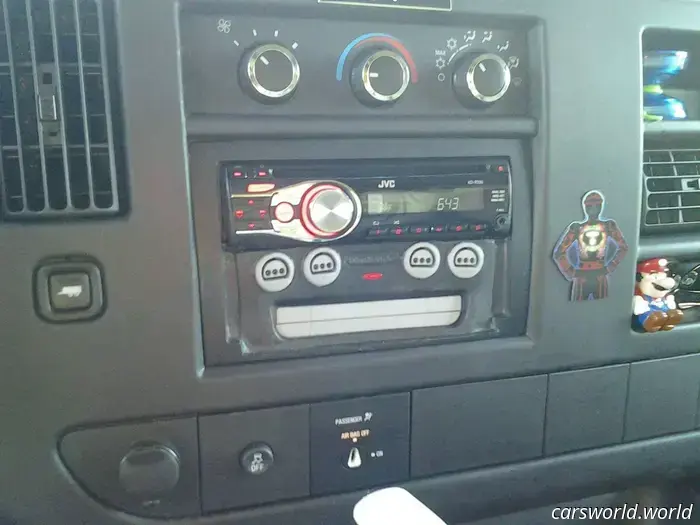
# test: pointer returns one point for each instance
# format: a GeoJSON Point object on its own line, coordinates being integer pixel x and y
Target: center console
{"type": "Point", "coordinates": [319, 251]}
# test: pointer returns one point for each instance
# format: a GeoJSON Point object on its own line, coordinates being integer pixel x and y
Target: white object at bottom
{"type": "Point", "coordinates": [393, 506]}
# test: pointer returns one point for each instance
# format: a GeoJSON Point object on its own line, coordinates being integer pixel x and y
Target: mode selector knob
{"type": "Point", "coordinates": [329, 210]}
{"type": "Point", "coordinates": [480, 79]}
{"type": "Point", "coordinates": [270, 73]}
{"type": "Point", "coordinates": [380, 77]}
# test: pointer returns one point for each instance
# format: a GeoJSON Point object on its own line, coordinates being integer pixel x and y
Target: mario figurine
{"type": "Point", "coordinates": [654, 306]}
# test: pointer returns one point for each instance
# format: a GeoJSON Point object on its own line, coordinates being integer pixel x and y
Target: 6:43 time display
{"type": "Point", "coordinates": [447, 204]}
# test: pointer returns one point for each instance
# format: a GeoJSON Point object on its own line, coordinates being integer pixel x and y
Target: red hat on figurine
{"type": "Point", "coordinates": [653, 266]}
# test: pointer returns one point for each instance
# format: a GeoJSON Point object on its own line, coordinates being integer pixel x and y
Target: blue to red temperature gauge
{"type": "Point", "coordinates": [381, 71]}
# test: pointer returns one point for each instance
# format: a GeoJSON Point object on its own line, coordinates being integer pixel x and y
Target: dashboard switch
{"type": "Point", "coordinates": [257, 459]}
{"type": "Point", "coordinates": [238, 465]}
{"type": "Point", "coordinates": [359, 443]}
{"type": "Point", "coordinates": [69, 289]}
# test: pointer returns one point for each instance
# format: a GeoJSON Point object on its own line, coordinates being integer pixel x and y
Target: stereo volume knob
{"type": "Point", "coordinates": [380, 77]}
{"type": "Point", "coordinates": [270, 73]}
{"type": "Point", "coordinates": [481, 79]}
{"type": "Point", "coordinates": [328, 211]}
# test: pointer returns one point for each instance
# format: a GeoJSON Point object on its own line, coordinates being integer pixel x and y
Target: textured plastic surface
{"type": "Point", "coordinates": [223, 438]}
{"type": "Point", "coordinates": [585, 409]}
{"type": "Point", "coordinates": [144, 357]}
{"type": "Point", "coordinates": [466, 426]}
{"type": "Point", "coordinates": [663, 397]}
{"type": "Point", "coordinates": [359, 443]}
{"type": "Point", "coordinates": [324, 87]}
{"type": "Point", "coordinates": [96, 457]}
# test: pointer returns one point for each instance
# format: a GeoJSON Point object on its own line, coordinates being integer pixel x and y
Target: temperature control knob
{"type": "Point", "coordinates": [270, 73]}
{"type": "Point", "coordinates": [380, 77]}
{"type": "Point", "coordinates": [328, 210]}
{"type": "Point", "coordinates": [480, 79]}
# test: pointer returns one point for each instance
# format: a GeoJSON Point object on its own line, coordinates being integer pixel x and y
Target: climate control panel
{"type": "Point", "coordinates": [240, 65]}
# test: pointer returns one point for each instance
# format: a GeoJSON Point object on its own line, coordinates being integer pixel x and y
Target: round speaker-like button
{"type": "Point", "coordinates": [274, 272]}
{"type": "Point", "coordinates": [322, 266]}
{"type": "Point", "coordinates": [421, 260]}
{"type": "Point", "coordinates": [466, 260]}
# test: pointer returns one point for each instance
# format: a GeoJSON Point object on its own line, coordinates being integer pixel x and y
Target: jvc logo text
{"type": "Point", "coordinates": [387, 183]}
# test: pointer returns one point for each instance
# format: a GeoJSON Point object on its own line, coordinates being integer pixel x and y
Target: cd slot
{"type": "Point", "coordinates": [294, 322]}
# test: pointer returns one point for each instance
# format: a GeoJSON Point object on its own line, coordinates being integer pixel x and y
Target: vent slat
{"type": "Point", "coordinates": [61, 102]}
{"type": "Point", "coordinates": [59, 156]}
{"type": "Point", "coordinates": [35, 78]}
{"type": "Point", "coordinates": [104, 104]}
{"type": "Point", "coordinates": [18, 132]}
{"type": "Point", "coordinates": [672, 189]}
{"type": "Point", "coordinates": [83, 100]}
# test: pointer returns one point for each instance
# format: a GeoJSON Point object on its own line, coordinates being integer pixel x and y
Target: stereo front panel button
{"type": "Point", "coordinates": [398, 230]}
{"type": "Point", "coordinates": [421, 260]}
{"type": "Point", "coordinates": [459, 228]}
{"type": "Point", "coordinates": [420, 230]}
{"type": "Point", "coordinates": [466, 260]}
{"type": "Point", "coordinates": [322, 266]}
{"type": "Point", "coordinates": [378, 232]}
{"type": "Point", "coordinates": [253, 225]}
{"type": "Point", "coordinates": [439, 229]}
{"type": "Point", "coordinates": [238, 173]}
{"type": "Point", "coordinates": [284, 212]}
{"type": "Point", "coordinates": [479, 227]}
{"type": "Point", "coordinates": [274, 272]}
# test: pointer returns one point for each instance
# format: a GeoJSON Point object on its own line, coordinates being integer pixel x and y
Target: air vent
{"type": "Point", "coordinates": [672, 190]}
{"type": "Point", "coordinates": [58, 111]}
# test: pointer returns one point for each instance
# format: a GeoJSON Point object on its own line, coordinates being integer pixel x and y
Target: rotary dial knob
{"type": "Point", "coordinates": [380, 77]}
{"type": "Point", "coordinates": [270, 73]}
{"type": "Point", "coordinates": [480, 79]}
{"type": "Point", "coordinates": [327, 210]}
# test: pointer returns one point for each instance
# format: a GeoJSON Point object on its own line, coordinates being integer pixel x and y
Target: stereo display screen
{"type": "Point", "coordinates": [436, 200]}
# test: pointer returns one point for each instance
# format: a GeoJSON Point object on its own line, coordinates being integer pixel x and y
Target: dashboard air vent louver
{"type": "Point", "coordinates": [58, 111]}
{"type": "Point", "coordinates": [671, 190]}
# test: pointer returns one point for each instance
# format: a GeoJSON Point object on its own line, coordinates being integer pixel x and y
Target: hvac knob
{"type": "Point", "coordinates": [270, 73]}
{"type": "Point", "coordinates": [329, 210]}
{"type": "Point", "coordinates": [480, 79]}
{"type": "Point", "coordinates": [380, 77]}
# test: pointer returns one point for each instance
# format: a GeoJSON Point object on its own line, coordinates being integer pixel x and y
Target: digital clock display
{"type": "Point", "coordinates": [438, 200]}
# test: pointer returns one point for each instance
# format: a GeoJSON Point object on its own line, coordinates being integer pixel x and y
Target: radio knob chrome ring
{"type": "Point", "coordinates": [329, 211]}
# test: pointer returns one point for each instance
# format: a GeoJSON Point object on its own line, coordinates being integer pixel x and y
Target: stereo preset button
{"type": "Point", "coordinates": [274, 272]}
{"type": "Point", "coordinates": [466, 260]}
{"type": "Point", "coordinates": [398, 230]}
{"type": "Point", "coordinates": [420, 230]}
{"type": "Point", "coordinates": [284, 212]}
{"type": "Point", "coordinates": [438, 229]}
{"type": "Point", "coordinates": [322, 266]}
{"type": "Point", "coordinates": [378, 232]}
{"type": "Point", "coordinates": [421, 260]}
{"type": "Point", "coordinates": [459, 228]}
{"type": "Point", "coordinates": [479, 227]}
